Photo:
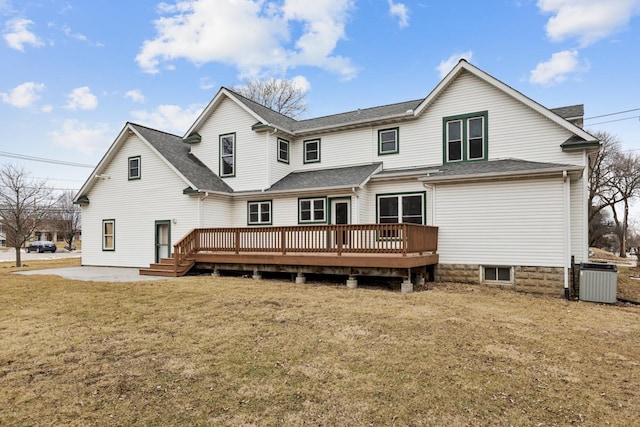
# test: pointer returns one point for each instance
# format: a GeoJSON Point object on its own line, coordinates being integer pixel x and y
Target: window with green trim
{"type": "Point", "coordinates": [228, 154]}
{"type": "Point", "coordinates": [465, 137]}
{"type": "Point", "coordinates": [311, 151]}
{"type": "Point", "coordinates": [259, 212]}
{"type": "Point", "coordinates": [312, 210]}
{"type": "Point", "coordinates": [283, 150]}
{"type": "Point", "coordinates": [400, 208]}
{"type": "Point", "coordinates": [388, 141]}
{"type": "Point", "coordinates": [134, 168]}
{"type": "Point", "coordinates": [108, 234]}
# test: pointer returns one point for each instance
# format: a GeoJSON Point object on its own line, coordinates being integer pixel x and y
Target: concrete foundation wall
{"type": "Point", "coordinates": [534, 279]}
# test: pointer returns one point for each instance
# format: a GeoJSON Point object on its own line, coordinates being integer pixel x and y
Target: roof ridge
{"type": "Point", "coordinates": [153, 129]}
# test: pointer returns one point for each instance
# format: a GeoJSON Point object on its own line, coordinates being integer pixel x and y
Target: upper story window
{"type": "Point", "coordinates": [465, 137]}
{"type": "Point", "coordinates": [259, 212]}
{"type": "Point", "coordinates": [109, 235]}
{"type": "Point", "coordinates": [312, 151]}
{"type": "Point", "coordinates": [134, 167]}
{"type": "Point", "coordinates": [312, 210]}
{"type": "Point", "coordinates": [228, 154]}
{"type": "Point", "coordinates": [388, 141]}
{"type": "Point", "coordinates": [283, 150]}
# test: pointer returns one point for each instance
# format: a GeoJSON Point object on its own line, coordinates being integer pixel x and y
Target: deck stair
{"type": "Point", "coordinates": [167, 268]}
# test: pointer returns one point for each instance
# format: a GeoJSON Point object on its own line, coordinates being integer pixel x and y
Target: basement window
{"type": "Point", "coordinates": [497, 274]}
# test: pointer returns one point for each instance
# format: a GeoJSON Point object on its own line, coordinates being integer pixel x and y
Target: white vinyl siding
{"type": "Point", "coordinates": [135, 206]}
{"type": "Point", "coordinates": [251, 150]}
{"type": "Point", "coordinates": [517, 222]}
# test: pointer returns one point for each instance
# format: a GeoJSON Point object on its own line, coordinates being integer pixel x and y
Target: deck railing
{"type": "Point", "coordinates": [337, 239]}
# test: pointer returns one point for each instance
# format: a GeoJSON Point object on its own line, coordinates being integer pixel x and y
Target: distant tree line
{"type": "Point", "coordinates": [614, 183]}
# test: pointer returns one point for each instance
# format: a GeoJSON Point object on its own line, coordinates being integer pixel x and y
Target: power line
{"type": "Point", "coordinates": [44, 160]}
{"type": "Point", "coordinates": [617, 120]}
{"type": "Point", "coordinates": [611, 114]}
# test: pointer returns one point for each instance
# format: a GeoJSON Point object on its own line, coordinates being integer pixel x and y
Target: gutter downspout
{"type": "Point", "coordinates": [269, 134]}
{"type": "Point", "coordinates": [567, 231]}
{"type": "Point", "coordinates": [356, 209]}
{"type": "Point", "coordinates": [432, 208]}
{"type": "Point", "coordinates": [201, 209]}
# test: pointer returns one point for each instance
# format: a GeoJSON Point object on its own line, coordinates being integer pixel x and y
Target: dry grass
{"type": "Point", "coordinates": [232, 351]}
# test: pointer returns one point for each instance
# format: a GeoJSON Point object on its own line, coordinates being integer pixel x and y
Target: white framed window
{"type": "Point", "coordinates": [388, 141]}
{"type": "Point", "coordinates": [312, 210]}
{"type": "Point", "coordinates": [228, 155]}
{"type": "Point", "coordinates": [134, 168]}
{"type": "Point", "coordinates": [465, 137]}
{"type": "Point", "coordinates": [283, 150]}
{"type": "Point", "coordinates": [497, 274]}
{"type": "Point", "coordinates": [108, 234]}
{"type": "Point", "coordinates": [259, 213]}
{"type": "Point", "coordinates": [311, 151]}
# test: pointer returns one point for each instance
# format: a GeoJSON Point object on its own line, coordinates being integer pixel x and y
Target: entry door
{"type": "Point", "coordinates": [163, 240]}
{"type": "Point", "coordinates": [340, 214]}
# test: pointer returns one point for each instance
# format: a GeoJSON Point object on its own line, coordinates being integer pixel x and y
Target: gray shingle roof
{"type": "Point", "coordinates": [570, 111]}
{"type": "Point", "coordinates": [361, 115]}
{"type": "Point", "coordinates": [177, 153]}
{"type": "Point", "coordinates": [481, 168]}
{"type": "Point", "coordinates": [327, 178]}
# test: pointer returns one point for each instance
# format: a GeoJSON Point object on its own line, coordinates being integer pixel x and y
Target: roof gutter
{"type": "Point", "coordinates": [509, 174]}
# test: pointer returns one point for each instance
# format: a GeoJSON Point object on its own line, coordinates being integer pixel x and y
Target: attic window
{"type": "Point", "coordinates": [228, 155]}
{"type": "Point", "coordinates": [134, 168]}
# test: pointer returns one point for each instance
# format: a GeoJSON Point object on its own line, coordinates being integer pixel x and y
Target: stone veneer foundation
{"type": "Point", "coordinates": [540, 280]}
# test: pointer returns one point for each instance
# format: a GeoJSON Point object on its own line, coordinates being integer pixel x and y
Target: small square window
{"type": "Point", "coordinates": [312, 210]}
{"type": "Point", "coordinates": [388, 141]}
{"type": "Point", "coordinates": [312, 151]}
{"type": "Point", "coordinates": [259, 213]}
{"type": "Point", "coordinates": [134, 167]}
{"type": "Point", "coordinates": [283, 150]}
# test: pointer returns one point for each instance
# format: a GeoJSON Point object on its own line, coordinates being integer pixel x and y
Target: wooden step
{"type": "Point", "coordinates": [167, 268]}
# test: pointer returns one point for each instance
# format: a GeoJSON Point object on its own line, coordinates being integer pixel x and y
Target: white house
{"type": "Point", "coordinates": [503, 179]}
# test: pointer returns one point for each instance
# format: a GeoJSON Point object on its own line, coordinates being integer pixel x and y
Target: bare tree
{"type": "Point", "coordinates": [601, 192]}
{"type": "Point", "coordinates": [625, 167]}
{"type": "Point", "coordinates": [24, 204]}
{"type": "Point", "coordinates": [68, 217]}
{"type": "Point", "coordinates": [284, 96]}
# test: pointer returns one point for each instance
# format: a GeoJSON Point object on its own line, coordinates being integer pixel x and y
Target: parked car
{"type": "Point", "coordinates": [41, 246]}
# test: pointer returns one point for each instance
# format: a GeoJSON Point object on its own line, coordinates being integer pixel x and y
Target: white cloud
{"type": "Point", "coordinates": [79, 136]}
{"type": "Point", "coordinates": [302, 83]}
{"type": "Point", "coordinates": [78, 36]}
{"type": "Point", "coordinates": [401, 11]}
{"type": "Point", "coordinates": [204, 31]}
{"type": "Point", "coordinates": [47, 108]}
{"type": "Point", "coordinates": [81, 98]}
{"type": "Point", "coordinates": [558, 68]}
{"type": "Point", "coordinates": [17, 35]}
{"type": "Point", "coordinates": [446, 65]}
{"type": "Point", "coordinates": [24, 95]}
{"type": "Point", "coordinates": [170, 118]}
{"type": "Point", "coordinates": [587, 20]}
{"type": "Point", "coordinates": [135, 95]}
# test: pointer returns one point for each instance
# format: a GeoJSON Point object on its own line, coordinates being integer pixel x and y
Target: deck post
{"type": "Point", "coordinates": [256, 274]}
{"type": "Point", "coordinates": [407, 286]}
{"type": "Point", "coordinates": [215, 272]}
{"type": "Point", "coordinates": [300, 279]}
{"type": "Point", "coordinates": [352, 282]}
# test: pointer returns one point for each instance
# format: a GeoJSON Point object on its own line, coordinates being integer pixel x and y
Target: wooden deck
{"type": "Point", "coordinates": [394, 249]}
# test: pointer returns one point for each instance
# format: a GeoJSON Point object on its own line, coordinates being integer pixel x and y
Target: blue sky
{"type": "Point", "coordinates": [73, 72]}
